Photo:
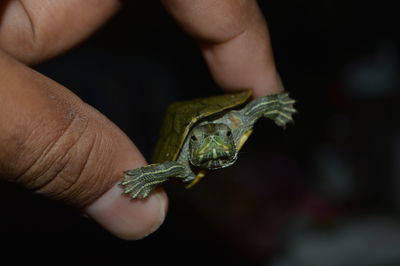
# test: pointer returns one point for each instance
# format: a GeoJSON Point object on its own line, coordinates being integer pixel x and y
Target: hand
{"type": "Point", "coordinates": [56, 145]}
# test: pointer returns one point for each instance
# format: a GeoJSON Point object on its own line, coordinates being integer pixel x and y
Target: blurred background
{"type": "Point", "coordinates": [324, 192]}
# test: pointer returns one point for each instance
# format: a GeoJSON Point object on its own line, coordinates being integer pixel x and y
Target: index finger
{"type": "Point", "coordinates": [32, 31]}
{"type": "Point", "coordinates": [234, 40]}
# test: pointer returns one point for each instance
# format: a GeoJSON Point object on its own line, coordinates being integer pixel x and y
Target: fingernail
{"type": "Point", "coordinates": [129, 219]}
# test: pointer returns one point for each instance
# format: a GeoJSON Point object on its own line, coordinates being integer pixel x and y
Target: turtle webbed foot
{"type": "Point", "coordinates": [139, 182]}
{"type": "Point", "coordinates": [283, 110]}
{"type": "Point", "coordinates": [134, 184]}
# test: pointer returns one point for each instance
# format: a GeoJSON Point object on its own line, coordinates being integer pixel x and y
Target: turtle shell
{"type": "Point", "coordinates": [181, 116]}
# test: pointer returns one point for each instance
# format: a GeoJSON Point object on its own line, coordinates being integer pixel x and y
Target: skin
{"type": "Point", "coordinates": [212, 144]}
{"type": "Point", "coordinates": [51, 142]}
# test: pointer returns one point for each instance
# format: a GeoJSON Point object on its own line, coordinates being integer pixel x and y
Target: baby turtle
{"type": "Point", "coordinates": [204, 134]}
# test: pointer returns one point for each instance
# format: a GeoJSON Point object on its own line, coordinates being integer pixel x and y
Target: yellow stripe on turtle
{"type": "Point", "coordinates": [202, 173]}
{"type": "Point", "coordinates": [198, 177]}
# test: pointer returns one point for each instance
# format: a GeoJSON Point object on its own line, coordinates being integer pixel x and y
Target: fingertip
{"type": "Point", "coordinates": [267, 84]}
{"type": "Point", "coordinates": [129, 219]}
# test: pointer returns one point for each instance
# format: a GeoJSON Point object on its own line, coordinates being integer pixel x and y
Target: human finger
{"type": "Point", "coordinates": [234, 40]}
{"type": "Point", "coordinates": [56, 145]}
{"type": "Point", "coordinates": [33, 31]}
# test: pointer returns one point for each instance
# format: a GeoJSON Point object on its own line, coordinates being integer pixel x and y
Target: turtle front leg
{"type": "Point", "coordinates": [139, 182]}
{"type": "Point", "coordinates": [277, 107]}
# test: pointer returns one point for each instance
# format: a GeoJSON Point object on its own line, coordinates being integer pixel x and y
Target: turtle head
{"type": "Point", "coordinates": [212, 146]}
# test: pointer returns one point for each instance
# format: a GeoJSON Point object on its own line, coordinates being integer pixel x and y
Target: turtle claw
{"type": "Point", "coordinates": [283, 111]}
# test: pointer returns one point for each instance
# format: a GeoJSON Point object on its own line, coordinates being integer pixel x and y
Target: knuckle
{"type": "Point", "coordinates": [62, 162]}
{"type": "Point", "coordinates": [22, 38]}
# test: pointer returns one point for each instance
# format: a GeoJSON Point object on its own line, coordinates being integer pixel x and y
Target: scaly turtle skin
{"type": "Point", "coordinates": [204, 134]}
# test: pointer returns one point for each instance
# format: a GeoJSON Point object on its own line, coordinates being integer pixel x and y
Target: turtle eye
{"type": "Point", "coordinates": [193, 137]}
{"type": "Point", "coordinates": [228, 133]}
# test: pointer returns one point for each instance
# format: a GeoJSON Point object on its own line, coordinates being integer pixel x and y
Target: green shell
{"type": "Point", "coordinates": [181, 116]}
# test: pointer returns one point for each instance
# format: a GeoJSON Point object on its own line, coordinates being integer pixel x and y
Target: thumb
{"type": "Point", "coordinates": [56, 145]}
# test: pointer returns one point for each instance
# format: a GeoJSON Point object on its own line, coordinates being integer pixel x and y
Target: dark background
{"type": "Point", "coordinates": [324, 192]}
